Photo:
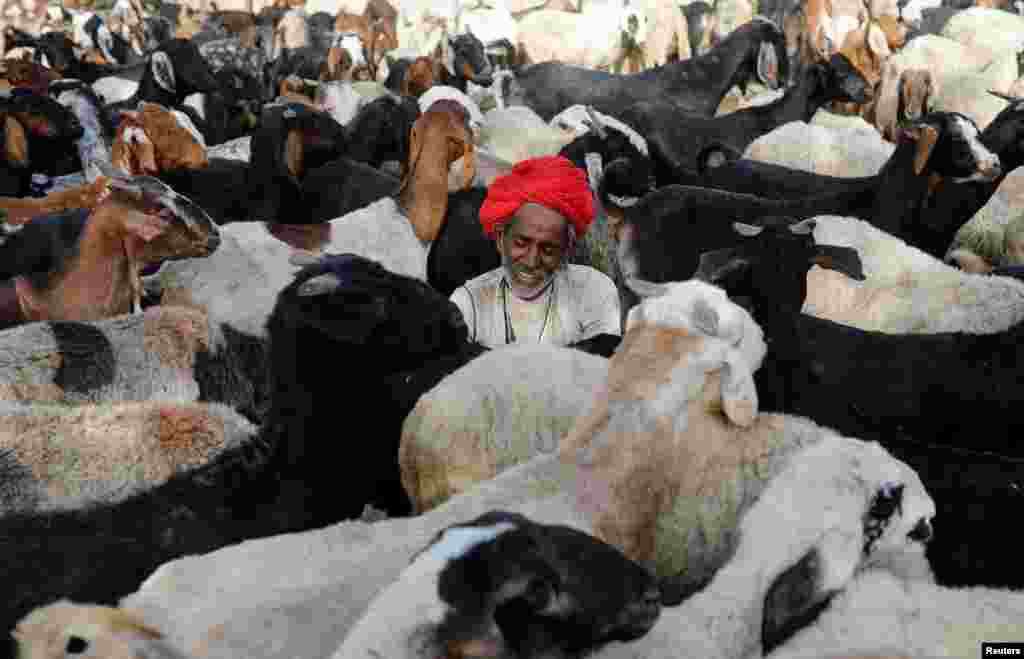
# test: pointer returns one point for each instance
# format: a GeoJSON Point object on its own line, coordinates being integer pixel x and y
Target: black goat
{"type": "Point", "coordinates": [754, 51]}
{"type": "Point", "coordinates": [677, 138]}
{"type": "Point", "coordinates": [921, 396]}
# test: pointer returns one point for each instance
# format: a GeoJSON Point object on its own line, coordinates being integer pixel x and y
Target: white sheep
{"type": "Point", "coordinates": [807, 535]}
{"type": "Point", "coordinates": [161, 354]}
{"type": "Point", "coordinates": [961, 76]}
{"type": "Point", "coordinates": [593, 39]}
{"type": "Point", "coordinates": [70, 455]}
{"type": "Point", "coordinates": [830, 508]}
{"type": "Point", "coordinates": [829, 151]}
{"type": "Point", "coordinates": [503, 408]}
{"type": "Point", "coordinates": [906, 290]}
{"type": "Point", "coordinates": [208, 588]}
{"type": "Point", "coordinates": [880, 612]}
{"type": "Point", "coordinates": [994, 236]}
{"type": "Point", "coordinates": [517, 133]}
{"type": "Point", "coordinates": [992, 30]}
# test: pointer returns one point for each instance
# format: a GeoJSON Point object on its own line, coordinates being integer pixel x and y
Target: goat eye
{"type": "Point", "coordinates": [887, 501]}
{"type": "Point", "coordinates": [76, 645]}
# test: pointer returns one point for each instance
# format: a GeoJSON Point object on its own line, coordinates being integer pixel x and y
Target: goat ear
{"type": "Point", "coordinates": [163, 71]}
{"type": "Point", "coordinates": [747, 230]}
{"type": "Point", "coordinates": [717, 265]}
{"type": "Point", "coordinates": [319, 285]}
{"type": "Point", "coordinates": [294, 153]}
{"type": "Point", "coordinates": [768, 65]}
{"type": "Point", "coordinates": [793, 601]}
{"type": "Point", "coordinates": [926, 137]}
{"type": "Point", "coordinates": [468, 164]}
{"type": "Point", "coordinates": [739, 395]}
{"type": "Point", "coordinates": [415, 150]}
{"type": "Point", "coordinates": [646, 289]}
{"type": "Point", "coordinates": [15, 142]}
{"type": "Point", "coordinates": [841, 259]}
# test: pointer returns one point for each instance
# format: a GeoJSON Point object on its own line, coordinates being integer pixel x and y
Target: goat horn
{"type": "Point", "coordinates": [1005, 97]}
{"type": "Point", "coordinates": [596, 123]}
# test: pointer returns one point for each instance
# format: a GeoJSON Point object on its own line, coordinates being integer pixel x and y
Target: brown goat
{"type": "Point", "coordinates": [28, 74]}
{"type": "Point", "coordinates": [138, 221]}
{"type": "Point", "coordinates": [437, 139]}
{"type": "Point", "coordinates": [21, 210]}
{"type": "Point", "coordinates": [421, 75]}
{"type": "Point", "coordinates": [150, 140]}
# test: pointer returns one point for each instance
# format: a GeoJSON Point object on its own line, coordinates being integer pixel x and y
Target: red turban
{"type": "Point", "coordinates": [551, 181]}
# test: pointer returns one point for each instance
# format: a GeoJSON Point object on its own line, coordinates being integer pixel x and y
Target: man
{"type": "Point", "coordinates": [536, 213]}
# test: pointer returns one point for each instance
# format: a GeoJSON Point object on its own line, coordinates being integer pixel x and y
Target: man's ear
{"type": "Point", "coordinates": [499, 240]}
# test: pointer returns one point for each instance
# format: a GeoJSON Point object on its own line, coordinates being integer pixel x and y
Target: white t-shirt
{"type": "Point", "coordinates": [585, 304]}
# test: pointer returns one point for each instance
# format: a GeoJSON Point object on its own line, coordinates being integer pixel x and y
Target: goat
{"type": "Point", "coordinates": [140, 221]}
{"type": "Point", "coordinates": [754, 51]}
{"type": "Point", "coordinates": [919, 395]}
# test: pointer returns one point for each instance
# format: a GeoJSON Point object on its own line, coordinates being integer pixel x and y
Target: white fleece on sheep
{"type": "Point", "coordinates": [822, 150]}
{"type": "Point", "coordinates": [517, 133]}
{"type": "Point", "coordinates": [993, 30]}
{"type": "Point", "coordinates": [30, 359]}
{"type": "Point", "coordinates": [381, 232]}
{"type": "Point", "coordinates": [299, 594]}
{"type": "Point", "coordinates": [967, 93]}
{"type": "Point", "coordinates": [880, 612]}
{"type": "Point", "coordinates": [906, 290]}
{"type": "Point", "coordinates": [109, 452]}
{"type": "Point", "coordinates": [412, 600]}
{"type": "Point", "coordinates": [239, 283]}
{"type": "Point", "coordinates": [818, 500]}
{"type": "Point", "coordinates": [501, 409]}
{"type": "Point", "coordinates": [996, 226]}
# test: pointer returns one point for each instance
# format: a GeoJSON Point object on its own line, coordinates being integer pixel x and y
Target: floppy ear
{"type": "Point", "coordinates": [841, 259]}
{"type": "Point", "coordinates": [163, 71]}
{"type": "Point", "coordinates": [415, 150]}
{"type": "Point", "coordinates": [768, 65]}
{"type": "Point", "coordinates": [294, 153]}
{"type": "Point", "coordinates": [646, 289]}
{"type": "Point", "coordinates": [468, 163]}
{"type": "Point", "coordinates": [739, 395]}
{"type": "Point", "coordinates": [794, 600]}
{"type": "Point", "coordinates": [15, 142]}
{"type": "Point", "coordinates": [926, 137]}
{"type": "Point", "coordinates": [719, 264]}
{"type": "Point", "coordinates": [319, 285]}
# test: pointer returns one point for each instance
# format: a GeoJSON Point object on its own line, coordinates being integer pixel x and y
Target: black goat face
{"type": "Point", "coordinates": [846, 82]}
{"type": "Point", "coordinates": [469, 59]}
{"type": "Point", "coordinates": [553, 590]}
{"type": "Point", "coordinates": [949, 143]}
{"type": "Point", "coordinates": [1005, 135]}
{"type": "Point", "coordinates": [43, 116]}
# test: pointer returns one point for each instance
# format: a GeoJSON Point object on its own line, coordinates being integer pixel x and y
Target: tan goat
{"type": "Point", "coordinates": [138, 221]}
{"type": "Point", "coordinates": [151, 140]}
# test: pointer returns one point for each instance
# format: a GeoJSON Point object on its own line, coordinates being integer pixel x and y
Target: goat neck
{"type": "Point", "coordinates": [99, 279]}
{"type": "Point", "coordinates": [897, 180]}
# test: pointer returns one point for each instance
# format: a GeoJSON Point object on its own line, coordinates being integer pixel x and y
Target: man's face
{"type": "Point", "coordinates": [531, 247]}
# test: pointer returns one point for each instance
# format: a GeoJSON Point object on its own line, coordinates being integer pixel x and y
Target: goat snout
{"type": "Point", "coordinates": [213, 242]}
{"type": "Point", "coordinates": [922, 531]}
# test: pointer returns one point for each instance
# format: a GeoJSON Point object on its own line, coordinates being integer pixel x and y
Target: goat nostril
{"type": "Point", "coordinates": [922, 531]}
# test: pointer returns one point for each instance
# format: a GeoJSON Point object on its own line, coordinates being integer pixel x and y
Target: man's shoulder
{"type": "Point", "coordinates": [589, 277]}
{"type": "Point", "coordinates": [488, 279]}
